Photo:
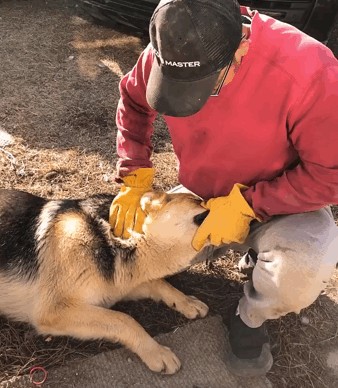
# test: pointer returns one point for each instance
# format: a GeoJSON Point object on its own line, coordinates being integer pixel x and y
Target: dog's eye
{"type": "Point", "coordinates": [199, 218]}
{"type": "Point", "coordinates": [195, 198]}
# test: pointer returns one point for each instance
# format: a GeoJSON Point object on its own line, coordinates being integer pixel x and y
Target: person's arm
{"type": "Point", "coordinates": [312, 184]}
{"type": "Point", "coordinates": [134, 118]}
{"type": "Point", "coordinates": [313, 131]}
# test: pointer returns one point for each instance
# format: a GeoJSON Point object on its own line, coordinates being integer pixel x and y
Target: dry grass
{"type": "Point", "coordinates": [58, 88]}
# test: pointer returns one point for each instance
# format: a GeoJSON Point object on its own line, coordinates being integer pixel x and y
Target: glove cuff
{"type": "Point", "coordinates": [142, 178]}
{"type": "Point", "coordinates": [236, 197]}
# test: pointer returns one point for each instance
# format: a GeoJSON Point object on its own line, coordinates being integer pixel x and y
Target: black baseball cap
{"type": "Point", "coordinates": [193, 40]}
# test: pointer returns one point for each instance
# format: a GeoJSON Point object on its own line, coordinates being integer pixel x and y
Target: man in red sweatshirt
{"type": "Point", "coordinates": [251, 104]}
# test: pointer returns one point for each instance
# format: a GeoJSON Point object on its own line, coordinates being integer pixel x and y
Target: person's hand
{"type": "Point", "coordinates": [228, 220]}
{"type": "Point", "coordinates": [125, 211]}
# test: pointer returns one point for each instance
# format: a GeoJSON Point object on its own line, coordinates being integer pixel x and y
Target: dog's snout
{"type": "Point", "coordinates": [200, 217]}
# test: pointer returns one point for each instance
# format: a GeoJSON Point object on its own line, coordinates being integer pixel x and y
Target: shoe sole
{"type": "Point", "coordinates": [251, 367]}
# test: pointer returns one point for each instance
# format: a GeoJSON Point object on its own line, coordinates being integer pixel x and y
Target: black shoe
{"type": "Point", "coordinates": [250, 353]}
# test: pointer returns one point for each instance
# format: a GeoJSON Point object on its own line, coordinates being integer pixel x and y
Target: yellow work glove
{"type": "Point", "coordinates": [125, 210]}
{"type": "Point", "coordinates": [228, 220]}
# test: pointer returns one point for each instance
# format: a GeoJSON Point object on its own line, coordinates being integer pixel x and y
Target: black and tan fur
{"type": "Point", "coordinates": [61, 268]}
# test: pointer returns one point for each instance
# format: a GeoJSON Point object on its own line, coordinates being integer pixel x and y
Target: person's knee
{"type": "Point", "coordinates": [289, 280]}
{"type": "Point", "coordinates": [291, 270]}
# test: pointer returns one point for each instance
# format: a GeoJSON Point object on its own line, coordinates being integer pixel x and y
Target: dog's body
{"type": "Point", "coordinates": [60, 267]}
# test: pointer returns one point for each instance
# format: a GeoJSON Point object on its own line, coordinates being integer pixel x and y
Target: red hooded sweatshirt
{"type": "Point", "coordinates": [274, 128]}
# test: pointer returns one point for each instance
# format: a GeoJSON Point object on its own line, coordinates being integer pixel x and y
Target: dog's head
{"type": "Point", "coordinates": [172, 219]}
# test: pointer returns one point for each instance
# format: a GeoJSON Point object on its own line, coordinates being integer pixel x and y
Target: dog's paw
{"type": "Point", "coordinates": [161, 359]}
{"type": "Point", "coordinates": [192, 308]}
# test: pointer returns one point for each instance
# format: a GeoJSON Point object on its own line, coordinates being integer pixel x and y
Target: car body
{"type": "Point", "coordinates": [314, 17]}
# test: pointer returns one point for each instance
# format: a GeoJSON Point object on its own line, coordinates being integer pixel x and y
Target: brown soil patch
{"type": "Point", "coordinates": [58, 93]}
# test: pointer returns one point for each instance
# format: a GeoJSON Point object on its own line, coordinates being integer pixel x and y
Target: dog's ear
{"type": "Point", "coordinates": [153, 201]}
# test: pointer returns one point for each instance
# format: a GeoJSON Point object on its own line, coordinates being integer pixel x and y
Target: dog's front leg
{"type": "Point", "coordinates": [161, 290]}
{"type": "Point", "coordinates": [93, 322]}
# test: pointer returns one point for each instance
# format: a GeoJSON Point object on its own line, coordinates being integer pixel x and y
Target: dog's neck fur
{"type": "Point", "coordinates": [141, 250]}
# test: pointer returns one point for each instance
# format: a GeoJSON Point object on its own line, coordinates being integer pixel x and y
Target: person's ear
{"type": "Point", "coordinates": [242, 50]}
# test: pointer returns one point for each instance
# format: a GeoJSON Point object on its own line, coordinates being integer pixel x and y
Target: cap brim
{"type": "Point", "coordinates": [178, 98]}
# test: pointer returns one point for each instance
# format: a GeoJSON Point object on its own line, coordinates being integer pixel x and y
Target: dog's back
{"type": "Point", "coordinates": [19, 214]}
{"type": "Point", "coordinates": [38, 256]}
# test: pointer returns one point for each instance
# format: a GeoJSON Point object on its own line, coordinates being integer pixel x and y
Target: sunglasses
{"type": "Point", "coordinates": [220, 85]}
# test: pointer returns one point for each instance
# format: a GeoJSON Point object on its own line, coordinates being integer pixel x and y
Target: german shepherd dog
{"type": "Point", "coordinates": [61, 268]}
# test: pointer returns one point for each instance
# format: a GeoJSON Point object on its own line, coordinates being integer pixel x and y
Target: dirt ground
{"type": "Point", "coordinates": [58, 94]}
